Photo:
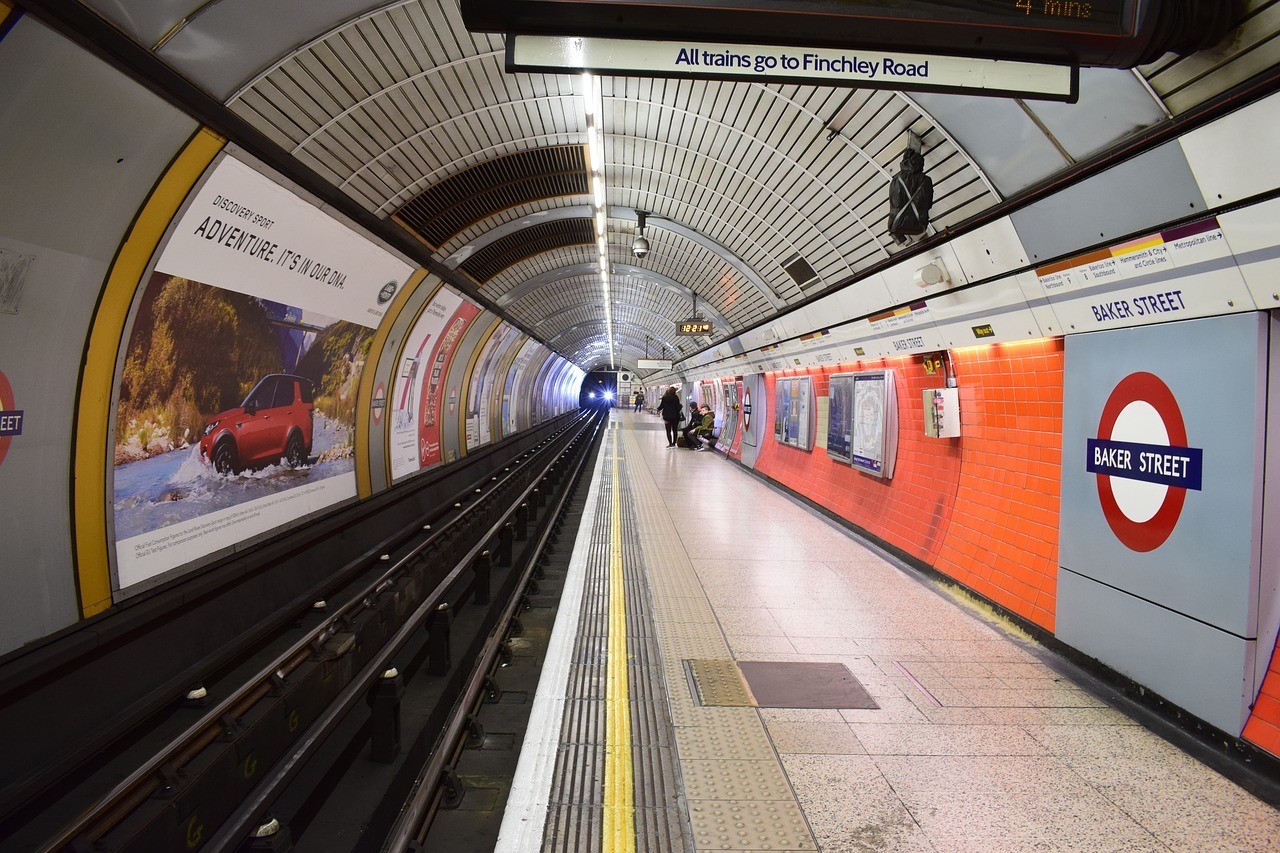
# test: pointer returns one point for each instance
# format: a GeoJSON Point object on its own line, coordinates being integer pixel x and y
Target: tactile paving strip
{"type": "Point", "coordinates": [575, 820]}
{"type": "Point", "coordinates": [738, 795]}
{"type": "Point", "coordinates": [718, 683]}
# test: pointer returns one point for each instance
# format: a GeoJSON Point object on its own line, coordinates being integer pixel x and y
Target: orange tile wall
{"type": "Point", "coordinates": [983, 508]}
{"type": "Point", "coordinates": [1263, 728]}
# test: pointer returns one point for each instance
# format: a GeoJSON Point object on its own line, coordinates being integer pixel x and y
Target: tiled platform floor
{"type": "Point", "coordinates": [979, 743]}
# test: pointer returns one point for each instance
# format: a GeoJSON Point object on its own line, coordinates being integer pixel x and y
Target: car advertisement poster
{"type": "Point", "coordinates": [237, 390]}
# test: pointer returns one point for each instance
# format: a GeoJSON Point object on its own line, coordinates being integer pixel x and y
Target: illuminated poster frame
{"type": "Point", "coordinates": [840, 417]}
{"type": "Point", "coordinates": [793, 413]}
{"type": "Point", "coordinates": [873, 444]}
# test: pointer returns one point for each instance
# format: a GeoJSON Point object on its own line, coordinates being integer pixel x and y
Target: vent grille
{"type": "Point", "coordinates": [479, 192]}
{"type": "Point", "coordinates": [544, 237]}
{"type": "Point", "coordinates": [800, 271]}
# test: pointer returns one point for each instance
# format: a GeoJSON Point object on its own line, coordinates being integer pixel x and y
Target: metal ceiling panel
{"type": "Point", "coordinates": [230, 41]}
{"type": "Point", "coordinates": [1117, 103]}
{"type": "Point", "coordinates": [1007, 146]}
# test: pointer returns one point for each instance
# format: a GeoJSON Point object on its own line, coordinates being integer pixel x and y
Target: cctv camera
{"type": "Point", "coordinates": [640, 247]}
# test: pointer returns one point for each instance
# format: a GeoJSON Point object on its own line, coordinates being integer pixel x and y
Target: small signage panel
{"type": "Point", "coordinates": [693, 328]}
{"type": "Point", "coordinates": [772, 63]}
{"type": "Point", "coordinates": [653, 364]}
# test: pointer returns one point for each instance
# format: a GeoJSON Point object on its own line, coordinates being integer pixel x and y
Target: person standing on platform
{"type": "Point", "coordinates": [672, 413]}
{"type": "Point", "coordinates": [639, 400]}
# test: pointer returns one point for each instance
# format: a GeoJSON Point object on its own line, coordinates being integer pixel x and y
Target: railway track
{"type": "Point", "coordinates": [381, 670]}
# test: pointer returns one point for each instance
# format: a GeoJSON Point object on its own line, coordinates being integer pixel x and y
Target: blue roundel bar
{"type": "Point", "coordinates": [1180, 467]}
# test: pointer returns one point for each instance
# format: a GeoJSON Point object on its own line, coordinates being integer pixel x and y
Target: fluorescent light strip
{"type": "Point", "coordinates": [595, 166]}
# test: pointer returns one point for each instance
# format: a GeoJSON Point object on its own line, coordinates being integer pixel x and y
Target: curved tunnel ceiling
{"type": "Point", "coordinates": [757, 195]}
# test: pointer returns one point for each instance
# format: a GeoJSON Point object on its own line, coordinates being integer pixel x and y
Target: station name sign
{"type": "Point", "coordinates": [824, 66]}
{"type": "Point", "coordinates": [653, 364]}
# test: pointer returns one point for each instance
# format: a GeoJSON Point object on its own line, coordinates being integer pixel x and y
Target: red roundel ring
{"type": "Point", "coordinates": [1147, 535]}
{"type": "Point", "coordinates": [6, 402]}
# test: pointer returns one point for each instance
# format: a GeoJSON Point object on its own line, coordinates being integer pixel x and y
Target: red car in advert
{"type": "Point", "coordinates": [274, 422]}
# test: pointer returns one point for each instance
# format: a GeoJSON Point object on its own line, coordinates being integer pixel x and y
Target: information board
{"type": "Point", "coordinates": [1117, 33]}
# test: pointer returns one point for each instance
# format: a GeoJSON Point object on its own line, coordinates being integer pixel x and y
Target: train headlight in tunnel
{"type": "Point", "coordinates": [592, 395]}
{"type": "Point", "coordinates": [608, 395]}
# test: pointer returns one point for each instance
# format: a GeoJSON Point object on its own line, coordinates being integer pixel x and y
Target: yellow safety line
{"type": "Point", "coordinates": [91, 456]}
{"type": "Point", "coordinates": [619, 780]}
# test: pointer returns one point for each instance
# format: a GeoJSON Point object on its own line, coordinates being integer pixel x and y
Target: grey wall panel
{"type": "Point", "coordinates": [1187, 662]}
{"type": "Point", "coordinates": [753, 433]}
{"type": "Point", "coordinates": [65, 120]}
{"type": "Point", "coordinates": [82, 144]}
{"type": "Point", "coordinates": [1160, 567]}
{"type": "Point", "coordinates": [1139, 194]}
{"type": "Point", "coordinates": [1207, 567]}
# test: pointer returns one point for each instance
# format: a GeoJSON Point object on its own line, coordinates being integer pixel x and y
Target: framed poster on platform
{"type": "Point", "coordinates": [840, 418]}
{"type": "Point", "coordinates": [873, 446]}
{"type": "Point", "coordinates": [793, 415]}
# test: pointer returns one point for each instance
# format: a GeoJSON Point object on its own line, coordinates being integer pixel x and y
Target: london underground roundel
{"type": "Point", "coordinates": [1143, 463]}
{"type": "Point", "coordinates": [10, 416]}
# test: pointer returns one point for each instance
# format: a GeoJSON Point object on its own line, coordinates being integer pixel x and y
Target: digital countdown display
{"type": "Point", "coordinates": [1116, 33]}
{"type": "Point", "coordinates": [694, 328]}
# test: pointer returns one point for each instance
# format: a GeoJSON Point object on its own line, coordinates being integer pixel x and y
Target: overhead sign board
{"type": "Point", "coordinates": [871, 68]}
{"type": "Point", "coordinates": [1116, 33]}
{"type": "Point", "coordinates": [653, 364]}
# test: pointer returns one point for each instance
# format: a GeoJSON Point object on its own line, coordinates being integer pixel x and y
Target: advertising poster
{"type": "Point", "coordinates": [481, 389]}
{"type": "Point", "coordinates": [433, 405]}
{"type": "Point", "coordinates": [236, 396]}
{"type": "Point", "coordinates": [840, 418]}
{"type": "Point", "coordinates": [415, 365]}
{"type": "Point", "coordinates": [869, 419]}
{"type": "Point", "coordinates": [510, 402]}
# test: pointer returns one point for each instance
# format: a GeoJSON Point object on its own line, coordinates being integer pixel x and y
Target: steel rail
{"type": "Point", "coordinates": [413, 820]}
{"type": "Point", "coordinates": [234, 830]}
{"type": "Point", "coordinates": [144, 780]}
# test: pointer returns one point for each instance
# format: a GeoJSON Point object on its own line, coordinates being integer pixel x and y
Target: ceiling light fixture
{"type": "Point", "coordinates": [595, 167]}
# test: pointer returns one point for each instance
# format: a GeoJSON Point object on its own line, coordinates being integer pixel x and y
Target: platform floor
{"type": "Point", "coordinates": [981, 739]}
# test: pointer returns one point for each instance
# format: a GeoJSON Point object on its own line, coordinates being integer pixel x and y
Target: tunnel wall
{"type": "Point", "coordinates": [91, 240]}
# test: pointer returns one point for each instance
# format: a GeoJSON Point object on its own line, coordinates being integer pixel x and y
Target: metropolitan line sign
{"type": "Point", "coordinates": [771, 63]}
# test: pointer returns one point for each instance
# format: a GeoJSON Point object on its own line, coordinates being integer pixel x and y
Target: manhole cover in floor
{"type": "Point", "coordinates": [788, 684]}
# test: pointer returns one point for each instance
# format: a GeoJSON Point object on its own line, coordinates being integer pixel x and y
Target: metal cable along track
{"type": "Point", "coordinates": [250, 758]}
{"type": "Point", "coordinates": [576, 818]}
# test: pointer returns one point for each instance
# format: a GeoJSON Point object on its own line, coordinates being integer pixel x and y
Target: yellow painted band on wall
{"type": "Point", "coordinates": [619, 777]}
{"type": "Point", "coordinates": [364, 394]}
{"type": "Point", "coordinates": [90, 500]}
{"type": "Point", "coordinates": [6, 9]}
{"type": "Point", "coordinates": [465, 408]}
